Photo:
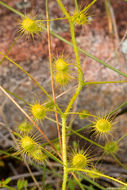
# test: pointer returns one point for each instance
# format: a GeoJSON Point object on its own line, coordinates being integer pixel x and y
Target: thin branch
{"type": "Point", "coordinates": [51, 71]}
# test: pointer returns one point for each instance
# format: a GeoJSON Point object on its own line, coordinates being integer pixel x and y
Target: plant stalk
{"type": "Point", "coordinates": [64, 151]}
{"type": "Point", "coordinates": [80, 74]}
{"type": "Point", "coordinates": [51, 72]}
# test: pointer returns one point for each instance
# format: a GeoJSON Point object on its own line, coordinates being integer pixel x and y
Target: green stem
{"type": "Point", "coordinates": [88, 6]}
{"type": "Point", "coordinates": [121, 138]}
{"type": "Point", "coordinates": [80, 113]}
{"type": "Point", "coordinates": [118, 108]}
{"type": "Point", "coordinates": [18, 97]}
{"type": "Point", "coordinates": [85, 9]}
{"type": "Point", "coordinates": [78, 182]}
{"type": "Point", "coordinates": [85, 138]}
{"type": "Point", "coordinates": [63, 9]}
{"type": "Point", "coordinates": [68, 129]}
{"type": "Point", "coordinates": [102, 82]}
{"type": "Point", "coordinates": [11, 46]}
{"type": "Point", "coordinates": [64, 151]}
{"type": "Point", "coordinates": [117, 160]}
{"type": "Point", "coordinates": [76, 6]}
{"type": "Point", "coordinates": [10, 155]}
{"type": "Point", "coordinates": [21, 68]}
{"type": "Point", "coordinates": [73, 99]}
{"type": "Point", "coordinates": [97, 173]}
{"type": "Point", "coordinates": [78, 134]}
{"type": "Point", "coordinates": [92, 182]}
{"type": "Point", "coordinates": [10, 8]}
{"type": "Point", "coordinates": [52, 155]}
{"type": "Point", "coordinates": [80, 84]}
{"type": "Point", "coordinates": [80, 75]}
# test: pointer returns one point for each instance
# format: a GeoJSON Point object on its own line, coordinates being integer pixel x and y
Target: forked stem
{"type": "Point", "coordinates": [79, 88]}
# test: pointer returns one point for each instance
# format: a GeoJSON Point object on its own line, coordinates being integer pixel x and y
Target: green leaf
{"type": "Point", "coordinates": [21, 183]}
{"type": "Point", "coordinates": [5, 182]}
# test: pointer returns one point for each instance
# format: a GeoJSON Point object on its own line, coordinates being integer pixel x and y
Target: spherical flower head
{"type": "Point", "coordinates": [62, 78]}
{"type": "Point", "coordinates": [29, 25]}
{"type": "Point", "coordinates": [38, 111]}
{"type": "Point", "coordinates": [111, 147]}
{"type": "Point", "coordinates": [79, 160]}
{"type": "Point", "coordinates": [61, 65]}
{"type": "Point", "coordinates": [81, 19]}
{"type": "Point", "coordinates": [38, 155]}
{"type": "Point", "coordinates": [28, 145]}
{"type": "Point", "coordinates": [103, 125]}
{"type": "Point", "coordinates": [25, 127]}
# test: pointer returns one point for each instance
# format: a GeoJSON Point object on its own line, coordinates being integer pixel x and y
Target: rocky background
{"type": "Point", "coordinates": [32, 55]}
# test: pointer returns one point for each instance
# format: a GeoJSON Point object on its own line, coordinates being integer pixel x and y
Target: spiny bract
{"type": "Point", "coordinates": [61, 65]}
{"type": "Point", "coordinates": [103, 125]}
{"type": "Point", "coordinates": [38, 111]}
{"type": "Point", "coordinates": [30, 26]}
{"type": "Point", "coordinates": [62, 78]}
{"type": "Point", "coordinates": [28, 145]}
{"type": "Point", "coordinates": [80, 18]}
{"type": "Point", "coordinates": [38, 155]}
{"type": "Point", "coordinates": [79, 161]}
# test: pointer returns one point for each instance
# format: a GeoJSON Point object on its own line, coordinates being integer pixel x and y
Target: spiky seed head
{"type": "Point", "coordinates": [103, 126]}
{"type": "Point", "coordinates": [38, 155]}
{"type": "Point", "coordinates": [62, 78]}
{"type": "Point", "coordinates": [79, 160]}
{"type": "Point", "coordinates": [38, 111]}
{"type": "Point", "coordinates": [30, 26]}
{"type": "Point", "coordinates": [111, 147]}
{"type": "Point", "coordinates": [25, 127]}
{"type": "Point", "coordinates": [84, 114]}
{"type": "Point", "coordinates": [28, 145]}
{"type": "Point", "coordinates": [81, 19]}
{"type": "Point", "coordinates": [61, 65]}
